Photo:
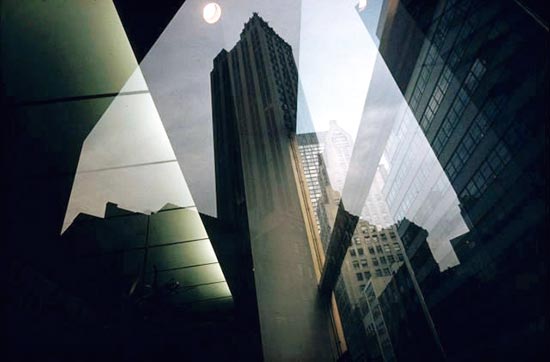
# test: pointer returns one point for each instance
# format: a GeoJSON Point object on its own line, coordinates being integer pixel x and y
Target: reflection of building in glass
{"type": "Point", "coordinates": [395, 313]}
{"type": "Point", "coordinates": [311, 146]}
{"type": "Point", "coordinates": [64, 69]}
{"type": "Point", "coordinates": [153, 279]}
{"type": "Point", "coordinates": [373, 253]}
{"type": "Point", "coordinates": [476, 88]}
{"type": "Point", "coordinates": [254, 112]}
{"type": "Point", "coordinates": [376, 209]}
{"type": "Point", "coordinates": [126, 253]}
{"type": "Point", "coordinates": [378, 341]}
{"type": "Point", "coordinates": [337, 153]}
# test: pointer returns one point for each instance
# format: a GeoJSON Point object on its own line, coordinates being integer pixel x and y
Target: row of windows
{"type": "Point", "coordinates": [374, 238]}
{"type": "Point", "coordinates": [399, 180]}
{"type": "Point", "coordinates": [417, 151]}
{"type": "Point", "coordinates": [386, 249]}
{"type": "Point", "coordinates": [374, 230]}
{"type": "Point", "coordinates": [436, 99]}
{"type": "Point", "coordinates": [473, 136]}
{"type": "Point", "coordinates": [367, 275]}
{"type": "Point", "coordinates": [310, 146]}
{"type": "Point", "coordinates": [360, 277]}
{"type": "Point", "coordinates": [419, 182]}
{"type": "Point", "coordinates": [389, 259]}
{"type": "Point", "coordinates": [397, 137]}
{"type": "Point", "coordinates": [459, 105]}
{"type": "Point", "coordinates": [487, 172]}
{"type": "Point", "coordinates": [356, 264]}
{"type": "Point", "coordinates": [310, 163]}
{"type": "Point", "coordinates": [446, 76]}
{"type": "Point", "coordinates": [440, 33]}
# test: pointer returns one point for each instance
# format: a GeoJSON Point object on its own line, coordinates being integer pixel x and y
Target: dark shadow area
{"type": "Point", "coordinates": [144, 21]}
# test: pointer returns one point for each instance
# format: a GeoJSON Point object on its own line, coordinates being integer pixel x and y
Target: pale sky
{"type": "Point", "coordinates": [330, 43]}
{"type": "Point", "coordinates": [147, 151]}
{"type": "Point", "coordinates": [174, 127]}
{"type": "Point", "coordinates": [336, 61]}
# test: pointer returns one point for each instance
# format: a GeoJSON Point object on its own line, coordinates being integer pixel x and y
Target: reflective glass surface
{"type": "Point", "coordinates": [304, 180]}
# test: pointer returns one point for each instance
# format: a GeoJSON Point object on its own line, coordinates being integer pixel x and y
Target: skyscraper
{"type": "Point", "coordinates": [254, 118]}
{"type": "Point", "coordinates": [311, 146]}
{"type": "Point", "coordinates": [475, 84]}
{"type": "Point", "coordinates": [338, 148]}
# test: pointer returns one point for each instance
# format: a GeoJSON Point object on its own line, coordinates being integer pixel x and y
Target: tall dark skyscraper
{"type": "Point", "coordinates": [475, 80]}
{"type": "Point", "coordinates": [254, 89]}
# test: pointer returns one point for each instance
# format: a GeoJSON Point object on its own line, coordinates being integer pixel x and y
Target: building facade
{"type": "Point", "coordinates": [475, 90]}
{"type": "Point", "coordinates": [311, 146]}
{"type": "Point", "coordinates": [374, 253]}
{"type": "Point", "coordinates": [254, 89]}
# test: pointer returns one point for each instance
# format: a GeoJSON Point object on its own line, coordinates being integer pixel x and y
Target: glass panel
{"type": "Point", "coordinates": [55, 52]}
{"type": "Point", "coordinates": [181, 255]}
{"type": "Point", "coordinates": [175, 226]}
{"type": "Point", "coordinates": [201, 293]}
{"type": "Point", "coordinates": [189, 276]}
{"type": "Point", "coordinates": [368, 174]}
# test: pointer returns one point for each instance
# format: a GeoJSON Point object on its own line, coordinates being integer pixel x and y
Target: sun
{"type": "Point", "coordinates": [211, 13]}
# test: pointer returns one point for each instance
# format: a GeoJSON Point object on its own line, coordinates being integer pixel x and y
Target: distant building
{"type": "Point", "coordinates": [373, 254]}
{"type": "Point", "coordinates": [311, 146]}
{"type": "Point", "coordinates": [337, 154]}
{"type": "Point", "coordinates": [395, 314]}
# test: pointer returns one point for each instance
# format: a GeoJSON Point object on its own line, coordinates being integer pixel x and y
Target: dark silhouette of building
{"type": "Point", "coordinates": [131, 286]}
{"type": "Point", "coordinates": [407, 317]}
{"type": "Point", "coordinates": [475, 76]}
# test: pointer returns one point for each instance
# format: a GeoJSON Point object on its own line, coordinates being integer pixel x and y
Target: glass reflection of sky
{"type": "Point", "coordinates": [127, 159]}
{"type": "Point", "coordinates": [342, 78]}
{"type": "Point", "coordinates": [391, 158]}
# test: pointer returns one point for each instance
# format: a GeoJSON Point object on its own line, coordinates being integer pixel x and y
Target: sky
{"type": "Point", "coordinates": [136, 153]}
{"type": "Point", "coordinates": [334, 54]}
{"type": "Point", "coordinates": [156, 146]}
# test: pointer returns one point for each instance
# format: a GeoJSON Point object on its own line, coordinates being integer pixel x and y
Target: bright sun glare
{"type": "Point", "coordinates": [211, 13]}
